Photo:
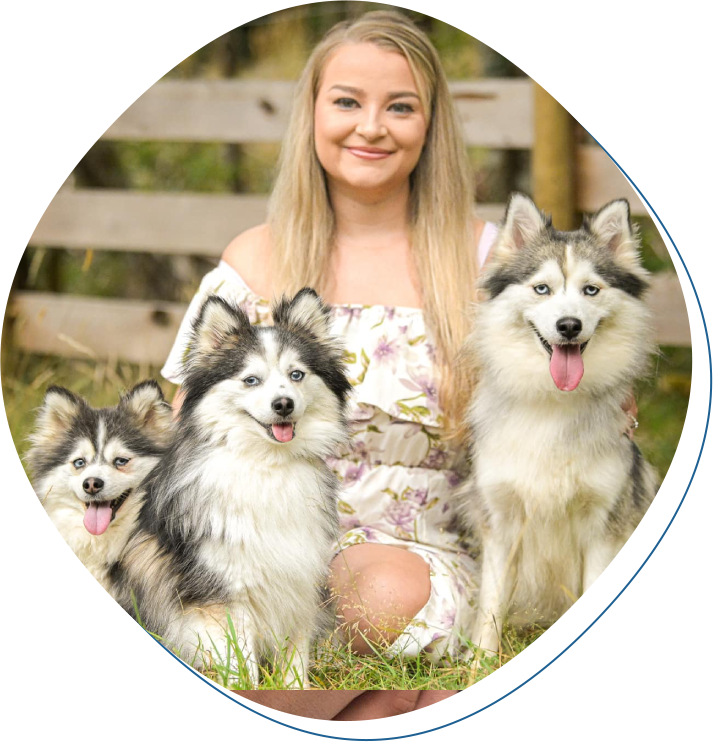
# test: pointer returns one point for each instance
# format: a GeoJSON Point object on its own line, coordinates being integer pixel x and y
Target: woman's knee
{"type": "Point", "coordinates": [379, 591]}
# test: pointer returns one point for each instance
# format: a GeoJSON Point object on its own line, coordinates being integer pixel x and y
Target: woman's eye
{"type": "Point", "coordinates": [346, 103]}
{"type": "Point", "coordinates": [591, 290]}
{"type": "Point", "coordinates": [297, 375]}
{"type": "Point", "coordinates": [121, 461]}
{"type": "Point", "coordinates": [251, 381]}
{"type": "Point", "coordinates": [401, 108]}
{"type": "Point", "coordinates": [79, 463]}
{"type": "Point", "coordinates": [542, 289]}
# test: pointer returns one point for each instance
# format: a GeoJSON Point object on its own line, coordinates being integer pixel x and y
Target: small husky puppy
{"type": "Point", "coordinates": [240, 517]}
{"type": "Point", "coordinates": [559, 338]}
{"type": "Point", "coordinates": [87, 464]}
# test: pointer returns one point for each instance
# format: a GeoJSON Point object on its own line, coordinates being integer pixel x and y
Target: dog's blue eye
{"type": "Point", "coordinates": [297, 375]}
{"type": "Point", "coordinates": [591, 290]}
{"type": "Point", "coordinates": [120, 461]}
{"type": "Point", "coordinates": [252, 380]}
{"type": "Point", "coordinates": [79, 463]}
{"type": "Point", "coordinates": [542, 289]}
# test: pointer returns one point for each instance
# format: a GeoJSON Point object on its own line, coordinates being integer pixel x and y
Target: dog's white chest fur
{"type": "Point", "coordinates": [259, 519]}
{"type": "Point", "coordinates": [545, 467]}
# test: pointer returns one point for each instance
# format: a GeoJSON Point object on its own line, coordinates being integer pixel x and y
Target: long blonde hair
{"type": "Point", "coordinates": [441, 201]}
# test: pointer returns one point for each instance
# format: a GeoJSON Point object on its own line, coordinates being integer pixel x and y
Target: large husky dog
{"type": "Point", "coordinates": [559, 338]}
{"type": "Point", "coordinates": [87, 464]}
{"type": "Point", "coordinates": [240, 516]}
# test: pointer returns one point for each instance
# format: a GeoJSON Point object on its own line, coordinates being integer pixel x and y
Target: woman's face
{"type": "Point", "coordinates": [369, 122]}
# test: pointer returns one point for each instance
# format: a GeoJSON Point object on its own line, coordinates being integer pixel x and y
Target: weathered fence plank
{"type": "Point", "coordinates": [77, 326]}
{"type": "Point", "coordinates": [171, 223]}
{"type": "Point", "coordinates": [494, 113]}
{"type": "Point", "coordinates": [600, 181]}
{"type": "Point", "coordinates": [669, 309]}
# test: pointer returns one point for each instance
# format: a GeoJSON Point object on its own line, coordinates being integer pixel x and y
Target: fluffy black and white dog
{"type": "Point", "coordinates": [87, 465]}
{"type": "Point", "coordinates": [240, 516]}
{"type": "Point", "coordinates": [558, 340]}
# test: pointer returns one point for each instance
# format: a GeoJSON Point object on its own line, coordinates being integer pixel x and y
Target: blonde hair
{"type": "Point", "coordinates": [441, 201]}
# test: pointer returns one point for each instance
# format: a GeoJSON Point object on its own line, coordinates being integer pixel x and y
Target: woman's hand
{"type": "Point", "coordinates": [346, 705]}
{"type": "Point", "coordinates": [630, 408]}
{"type": "Point", "coordinates": [177, 401]}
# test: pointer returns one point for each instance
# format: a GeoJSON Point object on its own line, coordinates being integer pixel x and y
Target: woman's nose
{"type": "Point", "coordinates": [370, 125]}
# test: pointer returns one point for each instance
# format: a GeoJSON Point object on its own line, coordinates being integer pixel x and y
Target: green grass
{"type": "Point", "coordinates": [337, 668]}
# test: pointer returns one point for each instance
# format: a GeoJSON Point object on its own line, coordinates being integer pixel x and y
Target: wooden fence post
{"type": "Point", "coordinates": [553, 160]}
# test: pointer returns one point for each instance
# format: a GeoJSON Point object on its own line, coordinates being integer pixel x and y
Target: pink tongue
{"type": "Point", "coordinates": [97, 518]}
{"type": "Point", "coordinates": [282, 431]}
{"type": "Point", "coordinates": [566, 366]}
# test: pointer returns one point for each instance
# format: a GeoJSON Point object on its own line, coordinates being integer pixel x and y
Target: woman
{"type": "Point", "coordinates": [373, 207]}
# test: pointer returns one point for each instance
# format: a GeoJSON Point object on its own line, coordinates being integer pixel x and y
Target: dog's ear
{"type": "Point", "coordinates": [217, 325]}
{"type": "Point", "coordinates": [59, 410]}
{"type": "Point", "coordinates": [523, 223]}
{"type": "Point", "coordinates": [147, 405]}
{"type": "Point", "coordinates": [305, 312]}
{"type": "Point", "coordinates": [611, 225]}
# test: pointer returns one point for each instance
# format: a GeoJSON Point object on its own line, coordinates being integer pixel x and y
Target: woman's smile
{"type": "Point", "coordinates": [369, 153]}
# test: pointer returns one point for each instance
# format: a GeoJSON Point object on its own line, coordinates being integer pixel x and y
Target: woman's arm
{"type": "Point", "coordinates": [177, 401]}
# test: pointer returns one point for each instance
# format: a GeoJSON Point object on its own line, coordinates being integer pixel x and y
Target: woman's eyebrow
{"type": "Point", "coordinates": [390, 96]}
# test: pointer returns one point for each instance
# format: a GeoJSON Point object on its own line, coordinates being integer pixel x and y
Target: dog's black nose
{"type": "Point", "coordinates": [92, 485]}
{"type": "Point", "coordinates": [569, 327]}
{"type": "Point", "coordinates": [283, 406]}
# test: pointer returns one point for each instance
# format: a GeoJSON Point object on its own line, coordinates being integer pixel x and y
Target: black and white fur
{"type": "Point", "coordinates": [84, 460]}
{"type": "Point", "coordinates": [240, 515]}
{"type": "Point", "coordinates": [556, 486]}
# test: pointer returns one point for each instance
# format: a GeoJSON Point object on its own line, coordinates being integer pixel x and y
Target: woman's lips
{"type": "Point", "coordinates": [369, 153]}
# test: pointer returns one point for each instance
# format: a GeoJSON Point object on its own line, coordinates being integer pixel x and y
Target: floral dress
{"type": "Point", "coordinates": [398, 475]}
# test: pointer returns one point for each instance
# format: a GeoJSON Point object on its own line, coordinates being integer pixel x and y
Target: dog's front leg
{"type": "Point", "coordinates": [495, 592]}
{"type": "Point", "coordinates": [223, 644]}
{"type": "Point", "coordinates": [294, 662]}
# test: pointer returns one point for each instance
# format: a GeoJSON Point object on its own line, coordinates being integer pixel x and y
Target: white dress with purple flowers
{"type": "Point", "coordinates": [398, 474]}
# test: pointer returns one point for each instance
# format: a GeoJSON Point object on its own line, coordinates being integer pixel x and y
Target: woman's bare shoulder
{"type": "Point", "coordinates": [478, 227]}
{"type": "Point", "coordinates": [249, 255]}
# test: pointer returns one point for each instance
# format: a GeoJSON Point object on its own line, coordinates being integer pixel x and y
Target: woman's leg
{"type": "Point", "coordinates": [346, 705]}
{"type": "Point", "coordinates": [379, 589]}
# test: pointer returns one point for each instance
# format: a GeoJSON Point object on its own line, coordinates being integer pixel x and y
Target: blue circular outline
{"type": "Point", "coordinates": [574, 641]}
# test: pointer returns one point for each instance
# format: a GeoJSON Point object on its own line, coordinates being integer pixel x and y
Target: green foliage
{"type": "Point", "coordinates": [177, 166]}
{"type": "Point", "coordinates": [663, 403]}
{"type": "Point", "coordinates": [654, 254]}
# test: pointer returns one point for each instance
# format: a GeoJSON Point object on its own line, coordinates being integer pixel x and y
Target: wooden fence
{"type": "Point", "coordinates": [494, 113]}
